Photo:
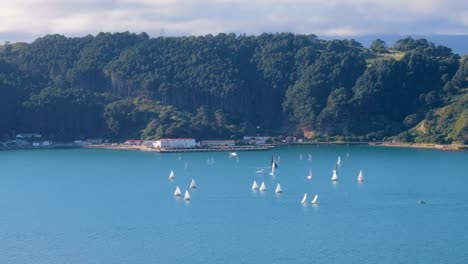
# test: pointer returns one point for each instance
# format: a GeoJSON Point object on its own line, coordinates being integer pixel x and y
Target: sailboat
{"type": "Point", "coordinates": [304, 199]}
{"type": "Point", "coordinates": [310, 157]}
{"type": "Point", "coordinates": [187, 196]}
{"type": "Point", "coordinates": [254, 186]}
{"type": "Point", "coordinates": [262, 187]}
{"type": "Point", "coordinates": [177, 191]}
{"type": "Point", "coordinates": [360, 177]}
{"type": "Point", "coordinates": [309, 176]}
{"type": "Point", "coordinates": [314, 201]}
{"type": "Point", "coordinates": [334, 176]}
{"type": "Point", "coordinates": [273, 166]}
{"type": "Point", "coordinates": [193, 185]}
{"type": "Point", "coordinates": [171, 175]}
{"type": "Point", "coordinates": [338, 162]}
{"type": "Point", "coordinates": [278, 189]}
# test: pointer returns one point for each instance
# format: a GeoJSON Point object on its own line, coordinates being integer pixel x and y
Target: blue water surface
{"type": "Point", "coordinates": [104, 206]}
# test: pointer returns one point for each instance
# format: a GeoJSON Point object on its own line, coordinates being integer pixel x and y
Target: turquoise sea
{"type": "Point", "coordinates": [104, 206]}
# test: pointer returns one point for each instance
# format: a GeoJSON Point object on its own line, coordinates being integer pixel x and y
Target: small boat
{"type": "Point", "coordinates": [232, 154]}
{"type": "Point", "coordinates": [262, 187]}
{"type": "Point", "coordinates": [278, 188]}
{"type": "Point", "coordinates": [360, 177]}
{"type": "Point", "coordinates": [193, 185]}
{"type": "Point", "coordinates": [334, 176]}
{"type": "Point", "coordinates": [254, 186]}
{"type": "Point", "coordinates": [171, 175]}
{"type": "Point", "coordinates": [187, 196]}
{"type": "Point", "coordinates": [309, 176]}
{"type": "Point", "coordinates": [304, 199]}
{"type": "Point", "coordinates": [260, 171]}
{"type": "Point", "coordinates": [338, 162]}
{"type": "Point", "coordinates": [314, 201]}
{"type": "Point", "coordinates": [177, 191]}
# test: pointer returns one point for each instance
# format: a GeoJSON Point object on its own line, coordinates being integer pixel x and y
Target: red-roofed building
{"type": "Point", "coordinates": [133, 142]}
{"type": "Point", "coordinates": [174, 143]}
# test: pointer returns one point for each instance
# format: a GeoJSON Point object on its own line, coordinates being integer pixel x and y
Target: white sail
{"type": "Point", "coordinates": [338, 162]}
{"type": "Point", "coordinates": [172, 175]}
{"type": "Point", "coordinates": [314, 201]}
{"type": "Point", "coordinates": [254, 186]}
{"type": "Point", "coordinates": [177, 191]}
{"type": "Point", "coordinates": [309, 176]}
{"type": "Point", "coordinates": [262, 187]}
{"type": "Point", "coordinates": [187, 196]}
{"type": "Point", "coordinates": [334, 176]}
{"type": "Point", "coordinates": [193, 185]}
{"type": "Point", "coordinates": [304, 199]}
{"type": "Point", "coordinates": [278, 189]}
{"type": "Point", "coordinates": [360, 177]}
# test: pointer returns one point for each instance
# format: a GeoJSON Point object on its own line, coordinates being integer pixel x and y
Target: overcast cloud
{"type": "Point", "coordinates": [27, 19]}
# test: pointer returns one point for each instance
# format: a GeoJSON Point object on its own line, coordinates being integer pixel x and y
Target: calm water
{"type": "Point", "coordinates": [101, 206]}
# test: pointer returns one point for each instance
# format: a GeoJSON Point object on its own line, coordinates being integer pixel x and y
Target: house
{"type": "Point", "coordinates": [92, 141]}
{"type": "Point", "coordinates": [133, 142]}
{"type": "Point", "coordinates": [28, 136]}
{"type": "Point", "coordinates": [218, 143]}
{"type": "Point", "coordinates": [174, 143]}
{"type": "Point", "coordinates": [255, 140]}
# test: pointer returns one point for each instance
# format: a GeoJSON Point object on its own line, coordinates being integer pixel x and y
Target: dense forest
{"type": "Point", "coordinates": [125, 85]}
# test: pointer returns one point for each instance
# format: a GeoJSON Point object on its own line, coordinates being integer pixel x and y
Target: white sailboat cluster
{"type": "Point", "coordinates": [314, 200]}
{"type": "Point", "coordinates": [178, 192]}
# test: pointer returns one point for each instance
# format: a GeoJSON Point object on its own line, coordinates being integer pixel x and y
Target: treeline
{"type": "Point", "coordinates": [125, 85]}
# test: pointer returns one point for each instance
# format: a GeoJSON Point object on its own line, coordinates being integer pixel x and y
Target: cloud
{"type": "Point", "coordinates": [181, 17]}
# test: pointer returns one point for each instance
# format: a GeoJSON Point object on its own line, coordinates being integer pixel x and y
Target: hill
{"type": "Point", "coordinates": [124, 85]}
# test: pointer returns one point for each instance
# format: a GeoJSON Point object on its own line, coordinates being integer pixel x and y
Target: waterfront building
{"type": "Point", "coordinates": [174, 143]}
{"type": "Point", "coordinates": [218, 143]}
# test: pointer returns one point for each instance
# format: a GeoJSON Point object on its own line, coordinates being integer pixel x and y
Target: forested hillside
{"type": "Point", "coordinates": [125, 85]}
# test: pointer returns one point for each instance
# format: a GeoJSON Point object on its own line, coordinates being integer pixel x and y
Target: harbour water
{"type": "Point", "coordinates": [104, 206]}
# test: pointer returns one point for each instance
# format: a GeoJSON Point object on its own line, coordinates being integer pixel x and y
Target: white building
{"type": "Point", "coordinates": [174, 143]}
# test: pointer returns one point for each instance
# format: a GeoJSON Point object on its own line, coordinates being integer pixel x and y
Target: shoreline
{"type": "Point", "coordinates": [454, 147]}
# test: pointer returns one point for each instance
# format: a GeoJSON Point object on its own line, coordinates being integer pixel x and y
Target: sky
{"type": "Point", "coordinates": [25, 20]}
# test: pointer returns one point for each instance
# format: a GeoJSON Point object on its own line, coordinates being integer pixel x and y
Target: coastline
{"type": "Point", "coordinates": [453, 147]}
